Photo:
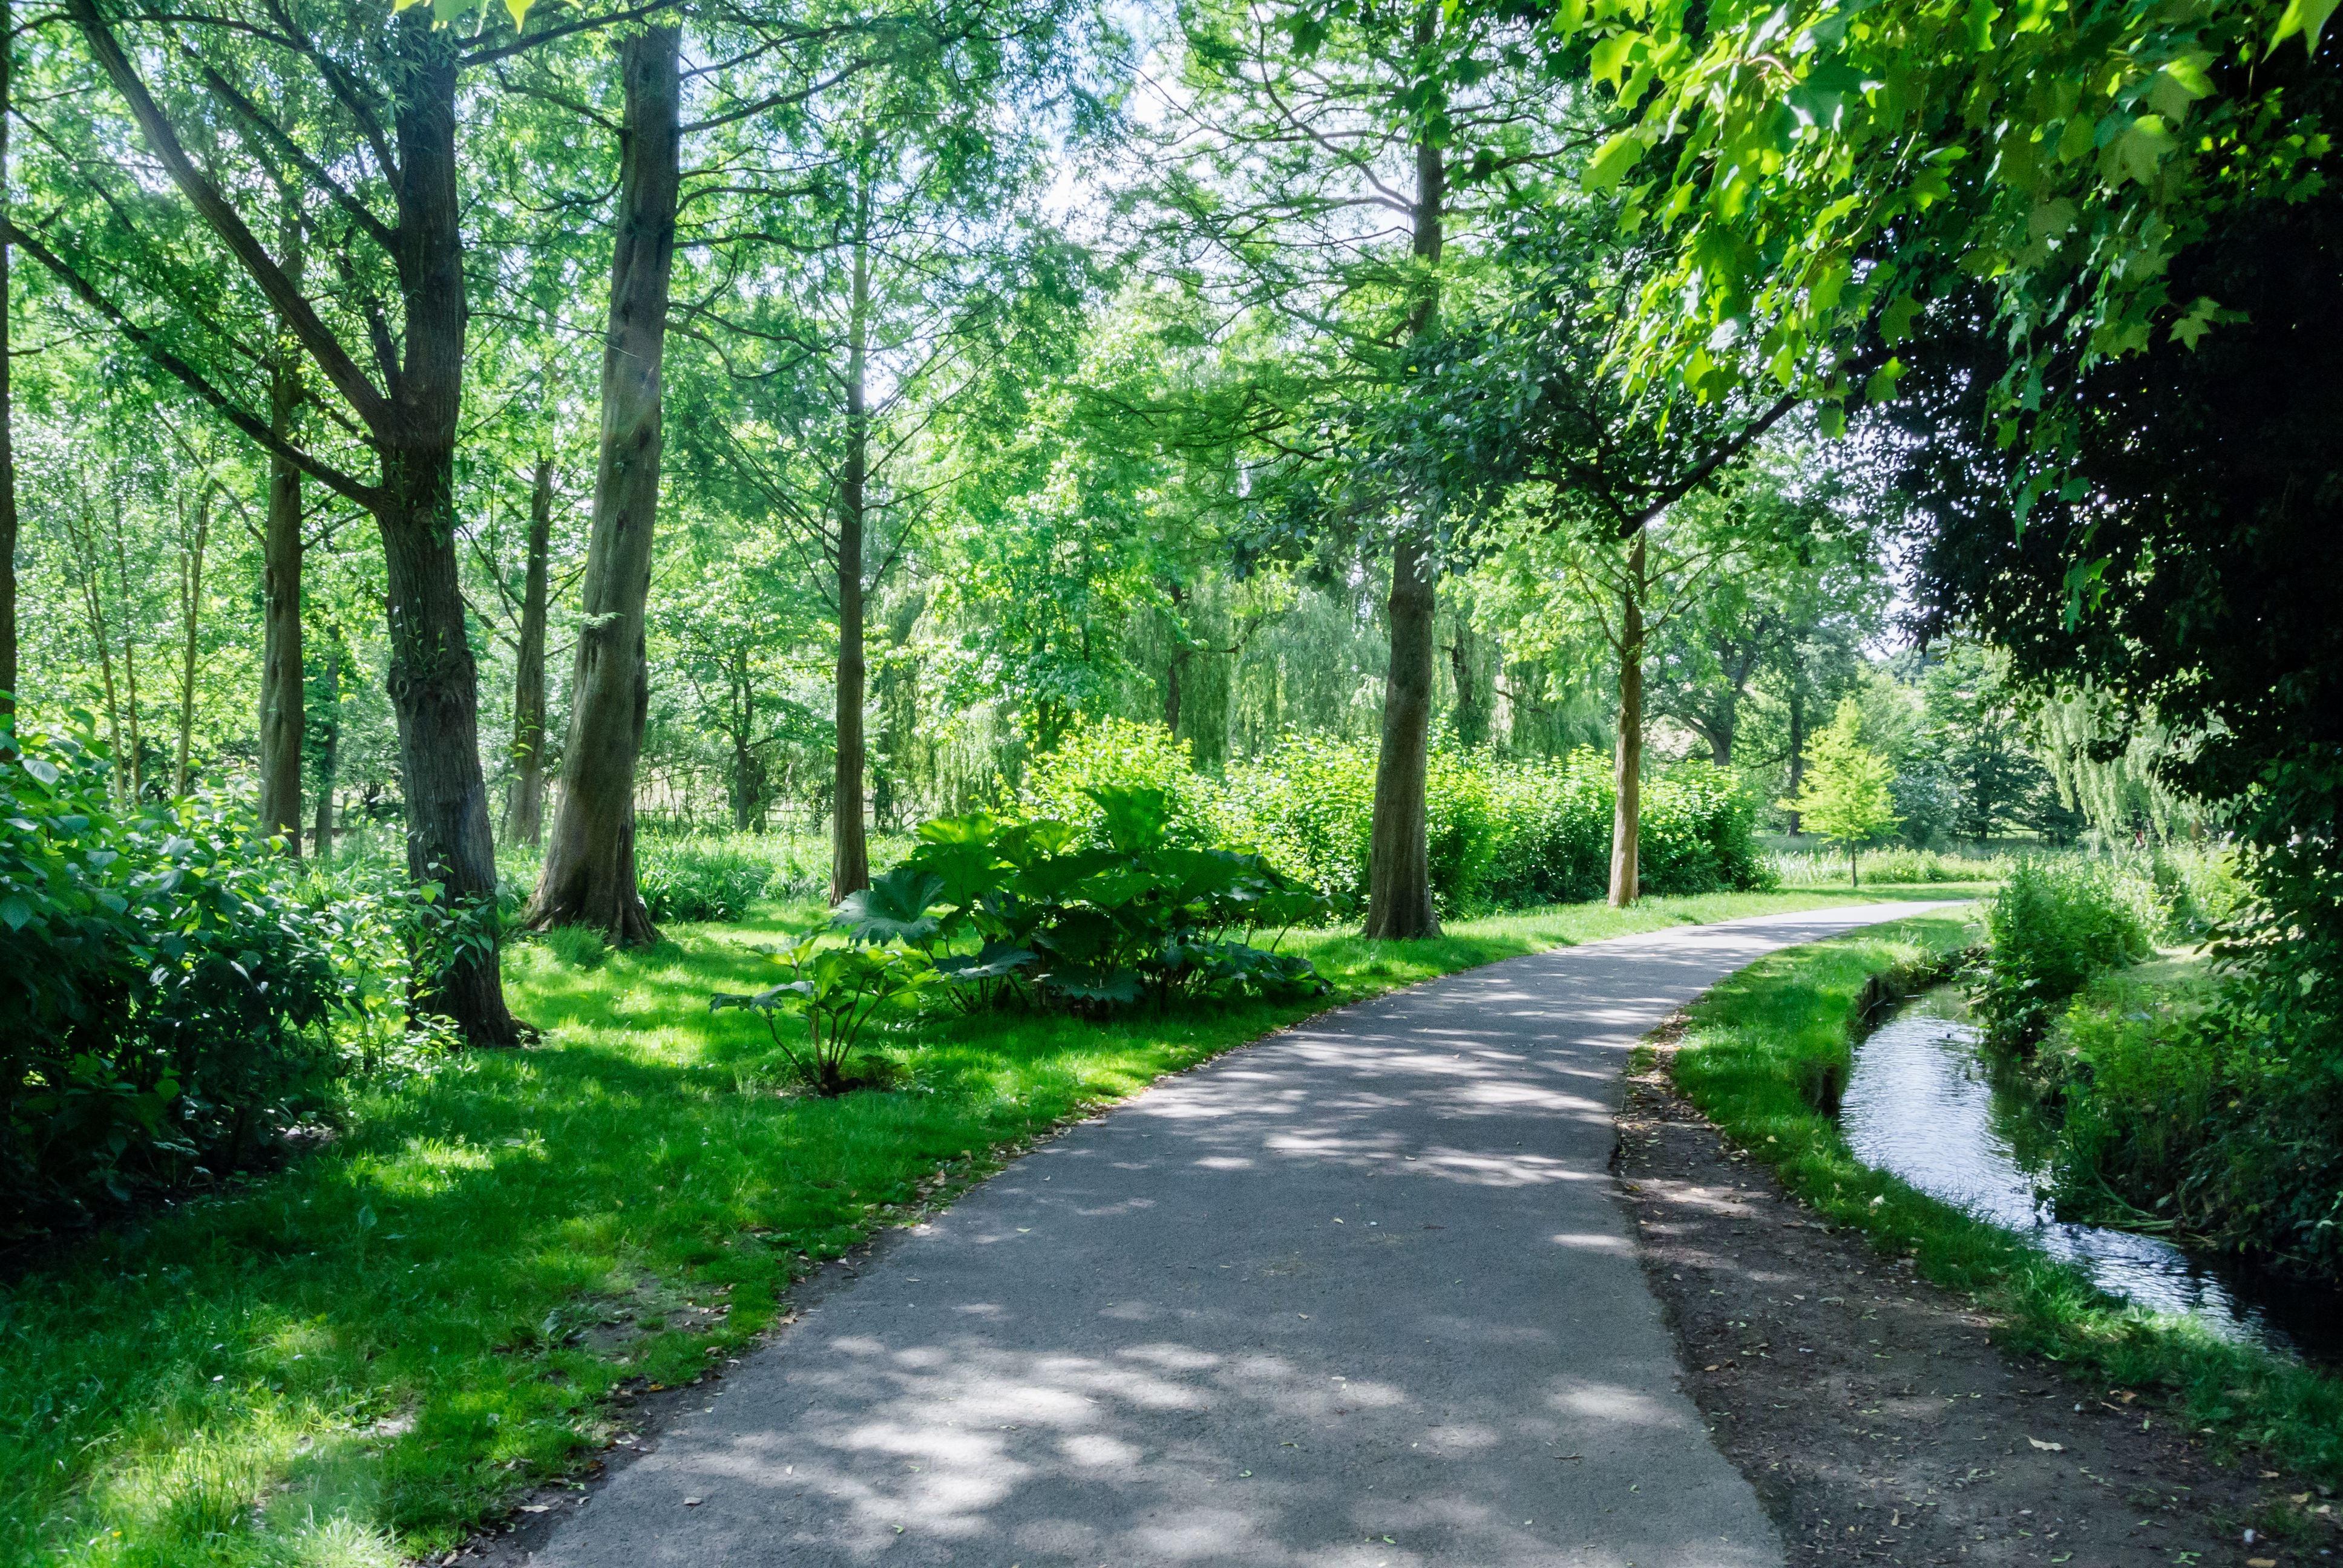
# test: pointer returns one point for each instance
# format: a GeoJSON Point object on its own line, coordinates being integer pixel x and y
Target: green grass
{"type": "Point", "coordinates": [360, 1357]}
{"type": "Point", "coordinates": [1756, 1043]}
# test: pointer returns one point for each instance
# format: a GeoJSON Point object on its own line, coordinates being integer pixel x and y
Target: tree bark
{"type": "Point", "coordinates": [850, 856]}
{"type": "Point", "coordinates": [1797, 737]}
{"type": "Point", "coordinates": [7, 386]}
{"type": "Point", "coordinates": [191, 611]}
{"type": "Point", "coordinates": [433, 682]}
{"type": "Point", "coordinates": [135, 774]}
{"type": "Point", "coordinates": [1628, 778]}
{"type": "Point", "coordinates": [321, 838]}
{"type": "Point", "coordinates": [1473, 706]}
{"type": "Point", "coordinates": [1399, 858]}
{"type": "Point", "coordinates": [525, 805]}
{"type": "Point", "coordinates": [283, 679]}
{"type": "Point", "coordinates": [589, 865]}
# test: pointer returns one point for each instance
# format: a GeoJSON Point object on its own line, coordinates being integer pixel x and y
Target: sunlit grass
{"type": "Point", "coordinates": [362, 1356]}
{"type": "Point", "coordinates": [1758, 1042]}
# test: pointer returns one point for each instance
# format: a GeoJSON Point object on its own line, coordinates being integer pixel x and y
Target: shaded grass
{"type": "Point", "coordinates": [359, 1358]}
{"type": "Point", "coordinates": [1756, 1042]}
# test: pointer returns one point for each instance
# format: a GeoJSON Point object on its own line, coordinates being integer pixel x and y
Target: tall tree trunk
{"type": "Point", "coordinates": [7, 386]}
{"type": "Point", "coordinates": [191, 611]}
{"type": "Point", "coordinates": [1797, 735]}
{"type": "Point", "coordinates": [433, 682]}
{"type": "Point", "coordinates": [1628, 778]}
{"type": "Point", "coordinates": [589, 865]}
{"type": "Point", "coordinates": [330, 747]}
{"type": "Point", "coordinates": [283, 678]}
{"type": "Point", "coordinates": [525, 806]}
{"type": "Point", "coordinates": [1399, 858]}
{"type": "Point", "coordinates": [134, 776]}
{"type": "Point", "coordinates": [849, 849]}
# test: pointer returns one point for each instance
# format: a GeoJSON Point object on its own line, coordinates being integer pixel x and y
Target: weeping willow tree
{"type": "Point", "coordinates": [2106, 763]}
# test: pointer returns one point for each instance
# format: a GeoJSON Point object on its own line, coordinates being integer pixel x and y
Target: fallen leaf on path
{"type": "Point", "coordinates": [2048, 1447]}
{"type": "Point", "coordinates": [692, 1501]}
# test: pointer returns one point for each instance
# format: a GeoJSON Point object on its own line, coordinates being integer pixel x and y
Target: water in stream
{"type": "Point", "coordinates": [1918, 1105]}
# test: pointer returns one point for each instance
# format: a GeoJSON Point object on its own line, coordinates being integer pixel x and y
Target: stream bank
{"type": "Point", "coordinates": [1878, 1420]}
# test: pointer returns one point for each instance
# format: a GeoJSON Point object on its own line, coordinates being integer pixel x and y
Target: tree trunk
{"type": "Point", "coordinates": [432, 683]}
{"type": "Point", "coordinates": [329, 748]}
{"type": "Point", "coordinates": [1473, 706]}
{"type": "Point", "coordinates": [135, 775]}
{"type": "Point", "coordinates": [7, 387]}
{"type": "Point", "coordinates": [525, 806]}
{"type": "Point", "coordinates": [589, 865]}
{"type": "Point", "coordinates": [1399, 858]}
{"type": "Point", "coordinates": [849, 849]}
{"type": "Point", "coordinates": [191, 611]}
{"type": "Point", "coordinates": [1797, 737]}
{"type": "Point", "coordinates": [283, 682]}
{"type": "Point", "coordinates": [1627, 781]}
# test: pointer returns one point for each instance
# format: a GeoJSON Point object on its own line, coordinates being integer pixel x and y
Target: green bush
{"type": "Point", "coordinates": [1121, 754]}
{"type": "Point", "coordinates": [2191, 1104]}
{"type": "Point", "coordinates": [1887, 868]}
{"type": "Point", "coordinates": [2052, 928]}
{"type": "Point", "coordinates": [165, 995]}
{"type": "Point", "coordinates": [1040, 913]}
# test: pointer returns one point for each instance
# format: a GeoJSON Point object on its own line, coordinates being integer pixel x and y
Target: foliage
{"type": "Point", "coordinates": [2181, 1099]}
{"type": "Point", "coordinates": [1845, 793]}
{"type": "Point", "coordinates": [1120, 753]}
{"type": "Point", "coordinates": [1507, 834]}
{"type": "Point", "coordinates": [1091, 926]}
{"type": "Point", "coordinates": [1894, 866]}
{"type": "Point", "coordinates": [2053, 927]}
{"type": "Point", "coordinates": [838, 991]}
{"type": "Point", "coordinates": [688, 881]}
{"type": "Point", "coordinates": [167, 999]}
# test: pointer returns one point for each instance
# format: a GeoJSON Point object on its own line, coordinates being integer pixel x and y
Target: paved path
{"type": "Point", "coordinates": [1359, 1295]}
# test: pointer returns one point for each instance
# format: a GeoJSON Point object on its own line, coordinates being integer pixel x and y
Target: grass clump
{"type": "Point", "coordinates": [363, 1356]}
{"type": "Point", "coordinates": [1757, 1045]}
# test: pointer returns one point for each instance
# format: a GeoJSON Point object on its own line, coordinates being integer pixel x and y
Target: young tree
{"type": "Point", "coordinates": [1845, 796]}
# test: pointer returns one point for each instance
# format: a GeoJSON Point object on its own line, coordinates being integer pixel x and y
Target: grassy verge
{"type": "Point", "coordinates": [357, 1359]}
{"type": "Point", "coordinates": [1755, 1044]}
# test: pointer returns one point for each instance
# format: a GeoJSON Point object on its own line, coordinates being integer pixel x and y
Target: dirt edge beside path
{"type": "Point", "coordinates": [1875, 1417]}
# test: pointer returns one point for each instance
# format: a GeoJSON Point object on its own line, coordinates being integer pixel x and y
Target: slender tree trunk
{"type": "Point", "coordinates": [433, 682]}
{"type": "Point", "coordinates": [321, 838]}
{"type": "Point", "coordinates": [589, 865]}
{"type": "Point", "coordinates": [1627, 781]}
{"type": "Point", "coordinates": [191, 610]}
{"type": "Point", "coordinates": [283, 677]}
{"type": "Point", "coordinates": [1399, 858]}
{"type": "Point", "coordinates": [93, 598]}
{"type": "Point", "coordinates": [135, 775]}
{"type": "Point", "coordinates": [1473, 706]}
{"type": "Point", "coordinates": [1797, 737]}
{"type": "Point", "coordinates": [7, 386]}
{"type": "Point", "coordinates": [849, 848]}
{"type": "Point", "coordinates": [524, 807]}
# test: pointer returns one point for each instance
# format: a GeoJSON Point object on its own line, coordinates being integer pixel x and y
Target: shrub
{"type": "Point", "coordinates": [2053, 927]}
{"type": "Point", "coordinates": [1121, 754]}
{"type": "Point", "coordinates": [1093, 926]}
{"type": "Point", "coordinates": [164, 996]}
{"type": "Point", "coordinates": [2194, 1105]}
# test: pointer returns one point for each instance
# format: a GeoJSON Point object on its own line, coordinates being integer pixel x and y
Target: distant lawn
{"type": "Point", "coordinates": [357, 1360]}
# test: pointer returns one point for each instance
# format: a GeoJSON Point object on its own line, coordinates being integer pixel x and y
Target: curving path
{"type": "Point", "coordinates": [1359, 1295]}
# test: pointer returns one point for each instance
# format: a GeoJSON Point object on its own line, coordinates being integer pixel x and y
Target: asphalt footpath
{"type": "Point", "coordinates": [1358, 1296]}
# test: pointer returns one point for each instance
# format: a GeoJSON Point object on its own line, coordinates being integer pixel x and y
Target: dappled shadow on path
{"type": "Point", "coordinates": [1359, 1295]}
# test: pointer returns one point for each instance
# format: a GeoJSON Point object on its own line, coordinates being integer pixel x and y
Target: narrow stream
{"type": "Point", "coordinates": [1919, 1106]}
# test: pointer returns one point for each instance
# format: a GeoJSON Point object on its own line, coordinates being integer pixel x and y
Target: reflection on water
{"type": "Point", "coordinates": [1917, 1104]}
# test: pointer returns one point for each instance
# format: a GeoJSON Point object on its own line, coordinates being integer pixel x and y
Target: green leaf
{"type": "Point", "coordinates": [2307, 17]}
{"type": "Point", "coordinates": [1610, 164]}
{"type": "Point", "coordinates": [15, 912]}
